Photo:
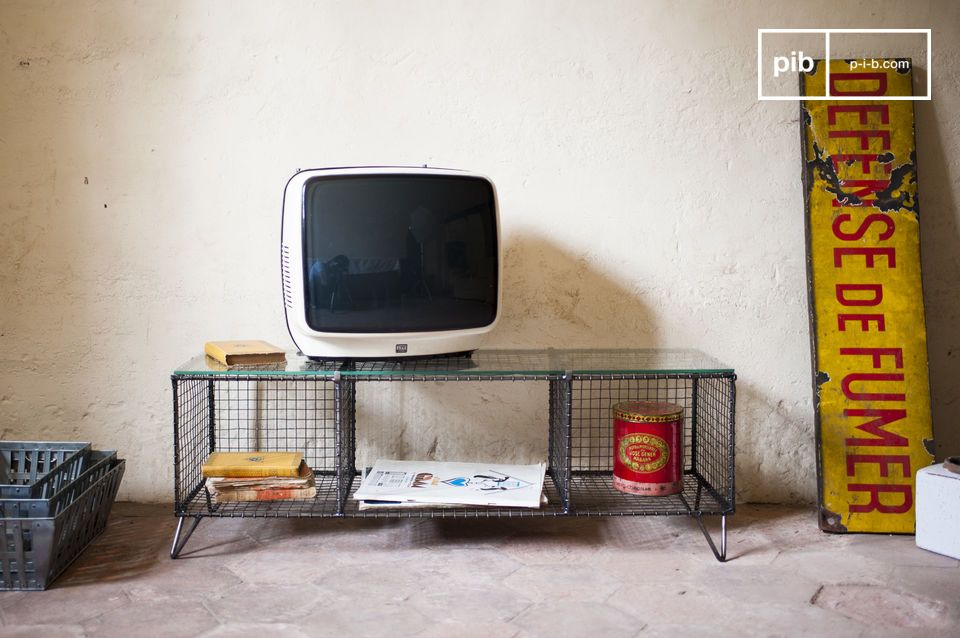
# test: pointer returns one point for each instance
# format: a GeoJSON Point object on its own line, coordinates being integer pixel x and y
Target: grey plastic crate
{"type": "Point", "coordinates": [96, 464]}
{"type": "Point", "coordinates": [37, 469]}
{"type": "Point", "coordinates": [34, 551]}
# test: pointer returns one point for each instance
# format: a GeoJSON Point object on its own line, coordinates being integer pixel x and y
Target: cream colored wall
{"type": "Point", "coordinates": [648, 198]}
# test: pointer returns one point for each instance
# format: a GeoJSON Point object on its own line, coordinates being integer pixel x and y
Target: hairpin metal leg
{"type": "Point", "coordinates": [722, 553]}
{"type": "Point", "coordinates": [178, 542]}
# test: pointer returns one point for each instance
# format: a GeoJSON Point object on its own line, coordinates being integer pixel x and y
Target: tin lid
{"type": "Point", "coordinates": [647, 411]}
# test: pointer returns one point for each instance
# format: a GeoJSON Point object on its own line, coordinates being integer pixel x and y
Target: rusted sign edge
{"type": "Point", "coordinates": [827, 520]}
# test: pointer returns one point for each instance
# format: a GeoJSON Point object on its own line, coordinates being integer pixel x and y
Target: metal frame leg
{"type": "Point", "coordinates": [722, 553]}
{"type": "Point", "coordinates": [178, 543]}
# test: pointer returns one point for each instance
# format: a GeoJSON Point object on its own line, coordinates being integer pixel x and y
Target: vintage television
{"type": "Point", "coordinates": [383, 262]}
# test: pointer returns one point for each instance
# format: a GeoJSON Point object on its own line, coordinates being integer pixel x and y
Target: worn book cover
{"type": "Point", "coordinates": [267, 488]}
{"type": "Point", "coordinates": [264, 494]}
{"type": "Point", "coordinates": [252, 464]}
{"type": "Point", "coordinates": [246, 352]}
{"type": "Point", "coordinates": [304, 478]}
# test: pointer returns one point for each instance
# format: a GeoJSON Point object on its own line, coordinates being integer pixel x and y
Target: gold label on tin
{"type": "Point", "coordinates": [642, 452]}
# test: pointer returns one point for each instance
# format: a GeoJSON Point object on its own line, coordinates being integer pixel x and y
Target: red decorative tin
{"type": "Point", "coordinates": [648, 448]}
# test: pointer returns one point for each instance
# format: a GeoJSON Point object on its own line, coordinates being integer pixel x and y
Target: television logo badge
{"type": "Point", "coordinates": [401, 348]}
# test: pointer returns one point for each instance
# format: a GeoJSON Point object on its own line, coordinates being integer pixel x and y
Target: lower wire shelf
{"type": "Point", "coordinates": [591, 494]}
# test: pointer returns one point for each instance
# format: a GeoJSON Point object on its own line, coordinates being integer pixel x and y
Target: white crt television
{"type": "Point", "coordinates": [384, 262]}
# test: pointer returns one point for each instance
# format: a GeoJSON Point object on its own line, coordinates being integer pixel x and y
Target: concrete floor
{"type": "Point", "coordinates": [554, 578]}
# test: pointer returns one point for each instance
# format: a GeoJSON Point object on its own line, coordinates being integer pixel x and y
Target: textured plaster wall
{"type": "Point", "coordinates": [648, 199]}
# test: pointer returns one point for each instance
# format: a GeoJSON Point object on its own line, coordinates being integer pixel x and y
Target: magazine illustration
{"type": "Point", "coordinates": [435, 482]}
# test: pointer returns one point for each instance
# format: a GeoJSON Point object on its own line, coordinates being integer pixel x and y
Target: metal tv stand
{"type": "Point", "coordinates": [310, 406]}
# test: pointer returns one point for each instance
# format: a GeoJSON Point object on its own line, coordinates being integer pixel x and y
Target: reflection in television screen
{"type": "Point", "coordinates": [399, 253]}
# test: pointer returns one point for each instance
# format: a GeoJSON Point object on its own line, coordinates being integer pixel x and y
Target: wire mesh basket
{"type": "Point", "coordinates": [34, 551]}
{"type": "Point", "coordinates": [37, 469]}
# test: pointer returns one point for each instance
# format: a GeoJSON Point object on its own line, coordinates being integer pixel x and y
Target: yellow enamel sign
{"type": "Point", "coordinates": [866, 302]}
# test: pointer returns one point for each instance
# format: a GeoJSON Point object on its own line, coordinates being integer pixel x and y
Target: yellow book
{"type": "Point", "coordinates": [252, 464]}
{"type": "Point", "coordinates": [265, 494]}
{"type": "Point", "coordinates": [245, 351]}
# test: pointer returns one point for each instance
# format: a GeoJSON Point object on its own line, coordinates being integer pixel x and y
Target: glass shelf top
{"type": "Point", "coordinates": [482, 363]}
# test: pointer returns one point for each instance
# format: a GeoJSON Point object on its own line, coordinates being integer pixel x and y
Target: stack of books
{"type": "Point", "coordinates": [258, 476]}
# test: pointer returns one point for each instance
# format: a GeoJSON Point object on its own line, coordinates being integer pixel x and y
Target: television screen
{"type": "Point", "coordinates": [399, 253]}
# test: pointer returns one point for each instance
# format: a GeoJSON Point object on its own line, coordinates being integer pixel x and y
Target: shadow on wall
{"type": "Point", "coordinates": [940, 253]}
{"type": "Point", "coordinates": [790, 474]}
{"type": "Point", "coordinates": [555, 298]}
{"type": "Point", "coordinates": [551, 298]}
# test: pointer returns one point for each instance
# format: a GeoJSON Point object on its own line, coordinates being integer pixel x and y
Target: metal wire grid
{"type": "Point", "coordinates": [272, 415]}
{"type": "Point", "coordinates": [236, 414]}
{"type": "Point", "coordinates": [592, 416]}
{"type": "Point", "coordinates": [594, 495]}
{"type": "Point", "coordinates": [192, 438]}
{"type": "Point", "coordinates": [327, 504]}
{"type": "Point", "coordinates": [559, 437]}
{"type": "Point", "coordinates": [318, 415]}
{"type": "Point", "coordinates": [707, 402]}
{"type": "Point", "coordinates": [345, 434]}
{"type": "Point", "coordinates": [557, 501]}
{"type": "Point", "coordinates": [714, 437]}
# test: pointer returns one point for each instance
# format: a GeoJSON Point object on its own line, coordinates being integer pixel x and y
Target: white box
{"type": "Point", "coordinates": [938, 510]}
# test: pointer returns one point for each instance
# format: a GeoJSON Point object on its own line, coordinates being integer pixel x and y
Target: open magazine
{"type": "Point", "coordinates": [403, 483]}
